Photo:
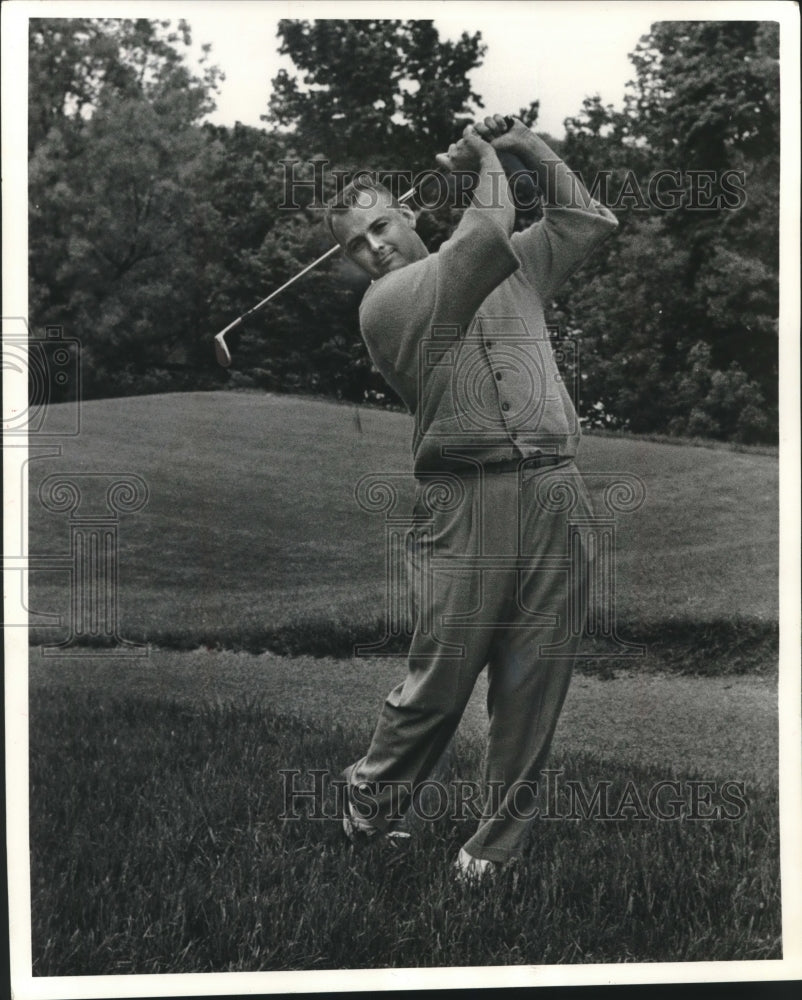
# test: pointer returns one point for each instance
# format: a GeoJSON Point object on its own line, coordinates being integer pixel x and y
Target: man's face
{"type": "Point", "coordinates": [378, 236]}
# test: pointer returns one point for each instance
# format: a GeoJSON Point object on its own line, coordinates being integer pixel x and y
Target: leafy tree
{"type": "Point", "coordinates": [121, 234]}
{"type": "Point", "coordinates": [708, 90]}
{"type": "Point", "coordinates": [72, 61]}
{"type": "Point", "coordinates": [708, 100]}
{"type": "Point", "coordinates": [373, 93]}
{"type": "Point", "coordinates": [705, 100]}
{"type": "Point", "coordinates": [122, 261]}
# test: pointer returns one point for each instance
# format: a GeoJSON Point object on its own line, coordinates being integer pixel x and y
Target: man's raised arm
{"type": "Point", "coordinates": [573, 222]}
{"type": "Point", "coordinates": [479, 255]}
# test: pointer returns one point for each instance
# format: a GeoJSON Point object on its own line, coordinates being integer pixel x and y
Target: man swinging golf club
{"type": "Point", "coordinates": [460, 336]}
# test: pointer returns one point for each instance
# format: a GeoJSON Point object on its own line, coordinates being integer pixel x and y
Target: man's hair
{"type": "Point", "coordinates": [362, 183]}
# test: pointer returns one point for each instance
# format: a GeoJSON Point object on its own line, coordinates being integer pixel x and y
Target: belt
{"type": "Point", "coordinates": [526, 464]}
{"type": "Point", "coordinates": [518, 465]}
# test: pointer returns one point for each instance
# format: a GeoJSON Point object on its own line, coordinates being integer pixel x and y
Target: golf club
{"type": "Point", "coordinates": [221, 348]}
{"type": "Point", "coordinates": [511, 165]}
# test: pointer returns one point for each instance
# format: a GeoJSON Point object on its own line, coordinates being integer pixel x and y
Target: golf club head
{"type": "Point", "coordinates": [221, 351]}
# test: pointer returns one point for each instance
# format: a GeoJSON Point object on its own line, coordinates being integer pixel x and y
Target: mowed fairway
{"type": "Point", "coordinates": [252, 571]}
{"type": "Point", "coordinates": [252, 537]}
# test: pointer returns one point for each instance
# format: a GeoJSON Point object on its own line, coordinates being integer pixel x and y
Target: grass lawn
{"type": "Point", "coordinates": [156, 797]}
{"type": "Point", "coordinates": [252, 538]}
{"type": "Point", "coordinates": [714, 723]}
{"type": "Point", "coordinates": [165, 842]}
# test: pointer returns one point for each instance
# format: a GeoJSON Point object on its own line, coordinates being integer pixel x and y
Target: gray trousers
{"type": "Point", "coordinates": [497, 579]}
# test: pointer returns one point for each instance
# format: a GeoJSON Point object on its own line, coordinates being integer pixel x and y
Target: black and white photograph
{"type": "Point", "coordinates": [401, 442]}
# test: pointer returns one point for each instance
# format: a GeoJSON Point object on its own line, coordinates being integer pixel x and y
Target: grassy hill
{"type": "Point", "coordinates": [252, 538]}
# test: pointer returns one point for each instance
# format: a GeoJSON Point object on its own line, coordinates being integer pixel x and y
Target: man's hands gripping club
{"type": "Point", "coordinates": [466, 153]}
{"type": "Point", "coordinates": [473, 153]}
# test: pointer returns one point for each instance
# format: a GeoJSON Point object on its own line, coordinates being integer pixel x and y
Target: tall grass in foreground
{"type": "Point", "coordinates": [156, 847]}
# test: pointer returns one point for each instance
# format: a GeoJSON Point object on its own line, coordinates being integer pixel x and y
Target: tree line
{"type": "Point", "coordinates": [151, 229]}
